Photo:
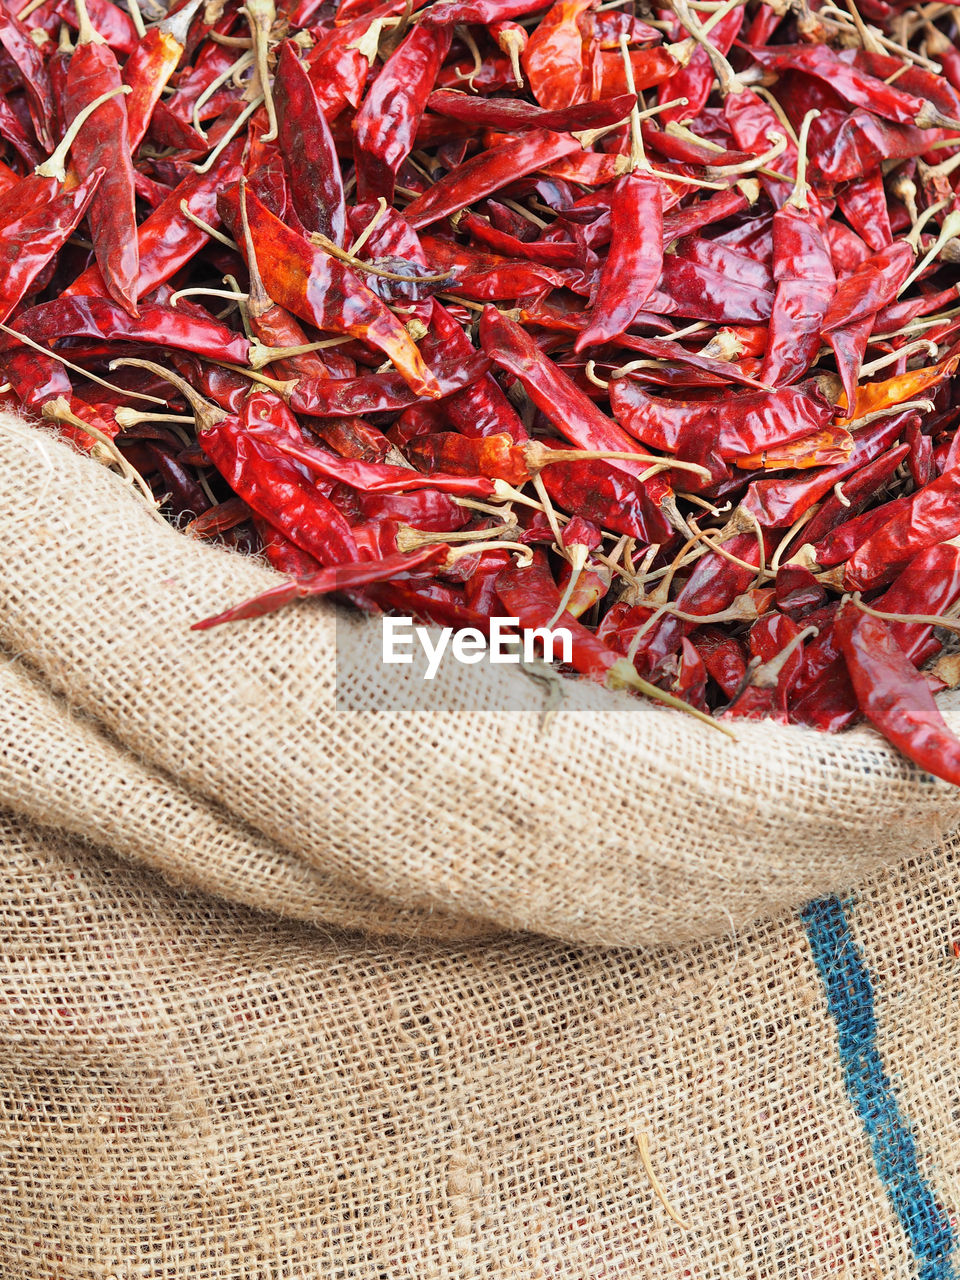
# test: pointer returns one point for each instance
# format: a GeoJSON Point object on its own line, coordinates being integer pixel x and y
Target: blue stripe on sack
{"type": "Point", "coordinates": [850, 1001]}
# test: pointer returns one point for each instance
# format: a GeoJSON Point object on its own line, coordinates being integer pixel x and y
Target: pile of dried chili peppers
{"type": "Point", "coordinates": [637, 321]}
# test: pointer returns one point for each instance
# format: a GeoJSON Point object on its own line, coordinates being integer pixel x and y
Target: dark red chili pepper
{"type": "Point", "coordinates": [104, 142]}
{"type": "Point", "coordinates": [744, 424]}
{"type": "Point", "coordinates": [309, 154]}
{"type": "Point", "coordinates": [103, 318]}
{"type": "Point", "coordinates": [513, 115]}
{"type": "Point", "coordinates": [487, 173]}
{"type": "Point", "coordinates": [893, 696]}
{"type": "Point", "coordinates": [385, 126]}
{"type": "Point", "coordinates": [932, 515]}
{"type": "Point", "coordinates": [30, 243]}
{"type": "Point", "coordinates": [324, 581]}
{"type": "Point", "coordinates": [635, 261]}
{"type": "Point", "coordinates": [15, 39]}
{"type": "Point", "coordinates": [151, 64]}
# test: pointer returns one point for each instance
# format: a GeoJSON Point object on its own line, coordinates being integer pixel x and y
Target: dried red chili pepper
{"type": "Point", "coordinates": [893, 696]}
{"type": "Point", "coordinates": [104, 142]}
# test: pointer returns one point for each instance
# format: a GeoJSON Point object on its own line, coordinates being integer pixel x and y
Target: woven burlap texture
{"type": "Point", "coordinates": [382, 802]}
{"type": "Point", "coordinates": [192, 1090]}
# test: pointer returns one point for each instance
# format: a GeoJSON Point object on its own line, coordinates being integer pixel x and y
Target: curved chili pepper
{"type": "Point", "coordinates": [372, 477]}
{"type": "Point", "coordinates": [893, 696]}
{"type": "Point", "coordinates": [747, 424]}
{"type": "Point", "coordinates": [309, 282]}
{"type": "Point", "coordinates": [325, 581]}
{"type": "Point", "coordinates": [513, 115]}
{"type": "Point", "coordinates": [104, 318]}
{"type": "Point", "coordinates": [30, 243]}
{"type": "Point", "coordinates": [150, 66]}
{"type": "Point", "coordinates": [385, 126]}
{"type": "Point", "coordinates": [487, 173]}
{"type": "Point", "coordinates": [856, 87]}
{"type": "Point", "coordinates": [931, 515]}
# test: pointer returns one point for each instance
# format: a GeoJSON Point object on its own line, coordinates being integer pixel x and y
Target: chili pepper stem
{"type": "Point", "coordinates": [75, 368]}
{"type": "Point", "coordinates": [622, 675]}
{"type": "Point", "coordinates": [245, 60]}
{"type": "Point", "coordinates": [206, 414]}
{"type": "Point", "coordinates": [577, 555]}
{"type": "Point", "coordinates": [58, 410]}
{"type": "Point", "coordinates": [86, 32]}
{"type": "Point", "coordinates": [947, 621]}
{"type": "Point", "coordinates": [950, 229]}
{"type": "Point", "coordinates": [799, 197]}
{"type": "Point", "coordinates": [55, 164]}
{"type": "Point", "coordinates": [344, 255]}
{"type": "Point", "coordinates": [261, 15]}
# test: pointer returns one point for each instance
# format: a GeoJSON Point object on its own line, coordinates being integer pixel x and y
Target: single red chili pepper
{"type": "Point", "coordinates": [151, 64]}
{"type": "Point", "coordinates": [487, 173]}
{"type": "Point", "coordinates": [512, 115]}
{"type": "Point", "coordinates": [745, 424]}
{"type": "Point", "coordinates": [481, 12]}
{"type": "Point", "coordinates": [103, 142]}
{"type": "Point", "coordinates": [931, 516]}
{"type": "Point", "coordinates": [385, 126]}
{"type": "Point", "coordinates": [372, 477]}
{"type": "Point", "coordinates": [557, 61]}
{"type": "Point", "coordinates": [306, 280]}
{"type": "Point", "coordinates": [325, 581]}
{"type": "Point", "coordinates": [309, 154]}
{"type": "Point", "coordinates": [556, 253]}
{"type": "Point", "coordinates": [615, 501]}
{"type": "Point", "coordinates": [717, 372]}
{"type": "Point", "coordinates": [893, 696]}
{"type": "Point", "coordinates": [32, 241]}
{"type": "Point", "coordinates": [704, 213]}
{"type": "Point", "coordinates": [722, 657]}
{"type": "Point", "coordinates": [702, 293]}
{"type": "Point", "coordinates": [864, 205]}
{"type": "Point", "coordinates": [103, 318]}
{"type": "Point", "coordinates": [806, 282]}
{"type": "Point", "coordinates": [856, 87]}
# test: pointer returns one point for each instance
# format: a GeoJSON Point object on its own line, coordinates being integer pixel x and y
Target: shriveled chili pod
{"type": "Point", "coordinates": [104, 142]}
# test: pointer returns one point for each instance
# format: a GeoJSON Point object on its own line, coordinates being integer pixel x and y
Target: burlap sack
{"type": "Point", "coordinates": [383, 802]}
{"type": "Point", "coordinates": [193, 1088]}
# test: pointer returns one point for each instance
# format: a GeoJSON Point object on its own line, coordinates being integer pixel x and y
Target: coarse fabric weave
{"type": "Point", "coordinates": [312, 968]}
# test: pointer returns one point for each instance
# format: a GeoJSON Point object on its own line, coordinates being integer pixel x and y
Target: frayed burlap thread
{"type": "Point", "coordinates": [619, 823]}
